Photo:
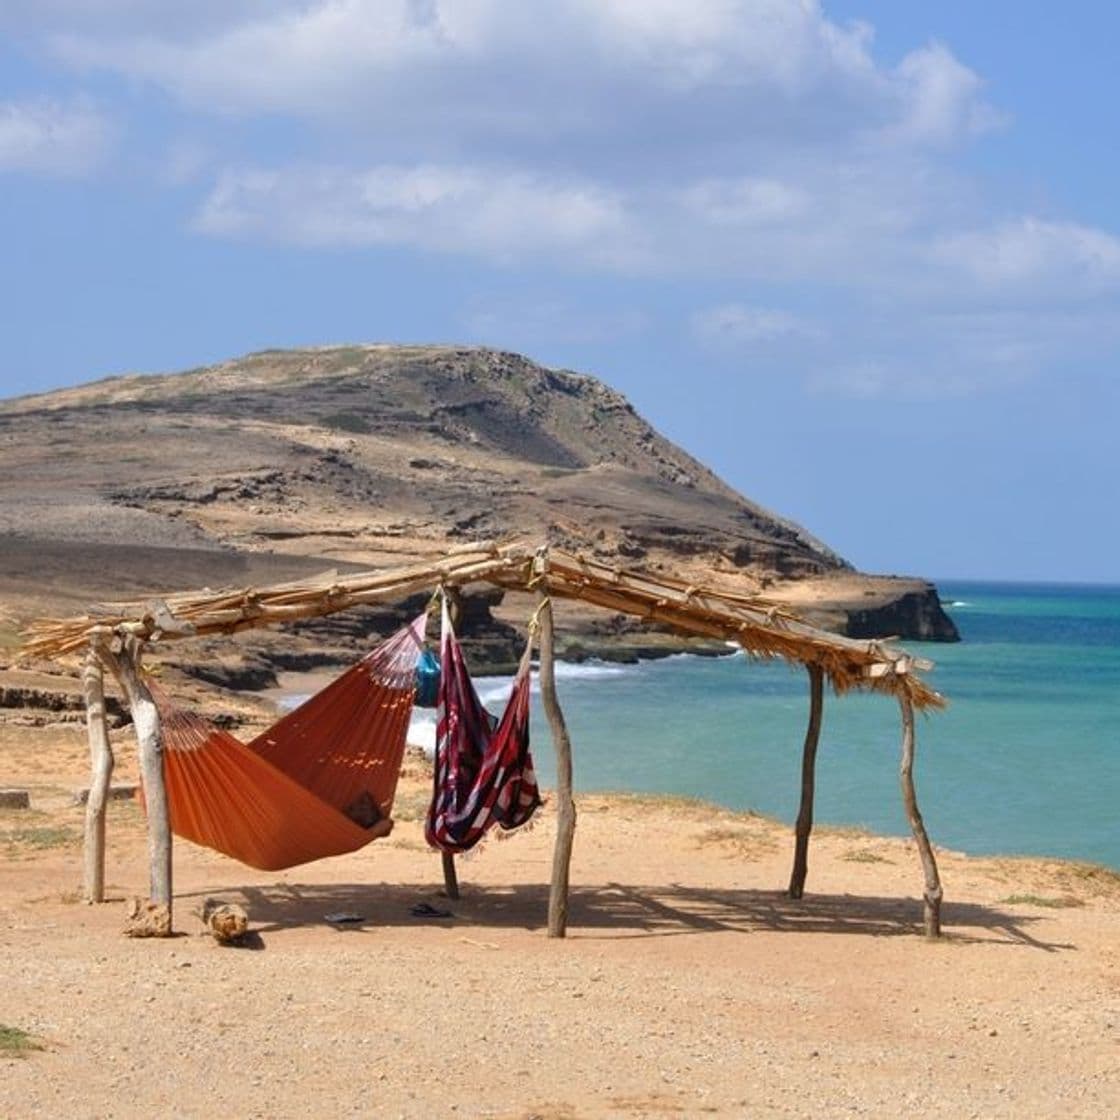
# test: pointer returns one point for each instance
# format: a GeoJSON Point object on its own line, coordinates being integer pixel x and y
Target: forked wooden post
{"type": "Point", "coordinates": [932, 893]}
{"type": "Point", "coordinates": [808, 783]}
{"type": "Point", "coordinates": [565, 806]}
{"type": "Point", "coordinates": [101, 772]}
{"type": "Point", "coordinates": [149, 742]}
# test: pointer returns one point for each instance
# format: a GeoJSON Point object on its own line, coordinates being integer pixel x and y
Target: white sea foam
{"type": "Point", "coordinates": [959, 603]}
{"type": "Point", "coordinates": [493, 691]}
{"type": "Point", "coordinates": [494, 694]}
{"type": "Point", "coordinates": [737, 652]}
{"type": "Point", "coordinates": [422, 730]}
{"type": "Point", "coordinates": [572, 670]}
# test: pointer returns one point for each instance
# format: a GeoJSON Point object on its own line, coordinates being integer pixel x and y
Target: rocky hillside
{"type": "Point", "coordinates": [297, 460]}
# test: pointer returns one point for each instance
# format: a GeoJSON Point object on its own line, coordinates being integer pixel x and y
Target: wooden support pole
{"type": "Point", "coordinates": [932, 893]}
{"type": "Point", "coordinates": [149, 742]}
{"type": "Point", "coordinates": [101, 773]}
{"type": "Point", "coordinates": [808, 783]}
{"type": "Point", "coordinates": [565, 806]}
{"type": "Point", "coordinates": [450, 874]}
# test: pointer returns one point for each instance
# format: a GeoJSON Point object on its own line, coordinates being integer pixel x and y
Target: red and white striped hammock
{"type": "Point", "coordinates": [483, 767]}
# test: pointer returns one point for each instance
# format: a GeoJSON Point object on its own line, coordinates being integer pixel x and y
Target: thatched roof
{"type": "Point", "coordinates": [762, 629]}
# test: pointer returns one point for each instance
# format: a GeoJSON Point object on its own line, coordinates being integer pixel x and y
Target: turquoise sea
{"type": "Point", "coordinates": [1025, 760]}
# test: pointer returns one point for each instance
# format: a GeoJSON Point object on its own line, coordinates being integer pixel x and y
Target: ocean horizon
{"type": "Point", "coordinates": [1025, 760]}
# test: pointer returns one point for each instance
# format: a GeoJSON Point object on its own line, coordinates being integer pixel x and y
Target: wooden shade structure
{"type": "Point", "coordinates": [114, 635]}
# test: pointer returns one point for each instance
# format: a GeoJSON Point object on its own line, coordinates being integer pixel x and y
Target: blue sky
{"type": "Point", "coordinates": [863, 259]}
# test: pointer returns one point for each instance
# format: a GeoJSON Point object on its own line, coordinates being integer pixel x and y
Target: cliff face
{"type": "Point", "coordinates": [371, 455]}
{"type": "Point", "coordinates": [873, 607]}
{"type": "Point", "coordinates": [916, 614]}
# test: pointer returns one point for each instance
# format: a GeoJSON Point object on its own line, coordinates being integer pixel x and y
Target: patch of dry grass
{"type": "Point", "coordinates": [660, 802]}
{"type": "Point", "coordinates": [743, 840]}
{"type": "Point", "coordinates": [16, 1043]}
{"type": "Point", "coordinates": [846, 831]}
{"type": "Point", "coordinates": [12, 818]}
{"type": "Point", "coordinates": [864, 855]}
{"type": "Point", "coordinates": [1098, 878]}
{"type": "Point", "coordinates": [1057, 878]}
{"type": "Point", "coordinates": [26, 839]}
{"type": "Point", "coordinates": [411, 805]}
{"type": "Point", "coordinates": [1038, 900]}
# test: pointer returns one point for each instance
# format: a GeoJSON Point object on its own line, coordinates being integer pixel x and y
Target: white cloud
{"type": "Point", "coordinates": [736, 324]}
{"type": "Point", "coordinates": [492, 213]}
{"type": "Point", "coordinates": [865, 378]}
{"type": "Point", "coordinates": [747, 138]}
{"type": "Point", "coordinates": [940, 98]}
{"type": "Point", "coordinates": [480, 69]}
{"type": "Point", "coordinates": [52, 138]}
{"type": "Point", "coordinates": [1010, 343]}
{"type": "Point", "coordinates": [1031, 251]}
{"type": "Point", "coordinates": [746, 201]}
{"type": "Point", "coordinates": [860, 232]}
{"type": "Point", "coordinates": [883, 227]}
{"type": "Point", "coordinates": [920, 355]}
{"type": "Point", "coordinates": [754, 143]}
{"type": "Point", "coordinates": [913, 377]}
{"type": "Point", "coordinates": [786, 45]}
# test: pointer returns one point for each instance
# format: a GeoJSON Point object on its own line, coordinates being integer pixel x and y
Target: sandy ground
{"type": "Point", "coordinates": [688, 985]}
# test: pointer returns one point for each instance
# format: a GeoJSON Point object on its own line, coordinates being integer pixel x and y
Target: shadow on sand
{"type": "Point", "coordinates": [616, 910]}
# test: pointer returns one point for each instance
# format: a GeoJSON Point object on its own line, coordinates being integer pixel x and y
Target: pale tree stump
{"type": "Point", "coordinates": [147, 919]}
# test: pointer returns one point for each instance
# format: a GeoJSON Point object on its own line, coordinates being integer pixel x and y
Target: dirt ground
{"type": "Point", "coordinates": [689, 985]}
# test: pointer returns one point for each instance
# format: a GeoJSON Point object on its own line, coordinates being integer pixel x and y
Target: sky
{"type": "Point", "coordinates": [860, 258]}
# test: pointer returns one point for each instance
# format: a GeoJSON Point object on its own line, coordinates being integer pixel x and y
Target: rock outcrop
{"type": "Point", "coordinates": [916, 615]}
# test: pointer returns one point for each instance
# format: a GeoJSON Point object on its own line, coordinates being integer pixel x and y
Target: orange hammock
{"type": "Point", "coordinates": [318, 783]}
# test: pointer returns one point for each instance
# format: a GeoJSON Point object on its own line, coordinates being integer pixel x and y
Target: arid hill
{"type": "Point", "coordinates": [287, 462]}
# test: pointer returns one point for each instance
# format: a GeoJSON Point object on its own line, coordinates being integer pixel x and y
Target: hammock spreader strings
{"type": "Point", "coordinates": [283, 798]}
{"type": "Point", "coordinates": [483, 768]}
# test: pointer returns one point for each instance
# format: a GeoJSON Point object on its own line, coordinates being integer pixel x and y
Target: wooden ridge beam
{"type": "Point", "coordinates": [761, 628]}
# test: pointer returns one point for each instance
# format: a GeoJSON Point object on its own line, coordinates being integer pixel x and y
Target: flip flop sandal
{"type": "Point", "coordinates": [426, 910]}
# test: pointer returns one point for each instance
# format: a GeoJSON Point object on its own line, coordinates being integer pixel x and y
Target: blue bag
{"type": "Point", "coordinates": [427, 680]}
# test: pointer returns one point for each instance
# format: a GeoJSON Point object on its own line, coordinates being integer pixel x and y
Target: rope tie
{"type": "Point", "coordinates": [535, 620]}
{"type": "Point", "coordinates": [435, 601]}
{"type": "Point", "coordinates": [539, 571]}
